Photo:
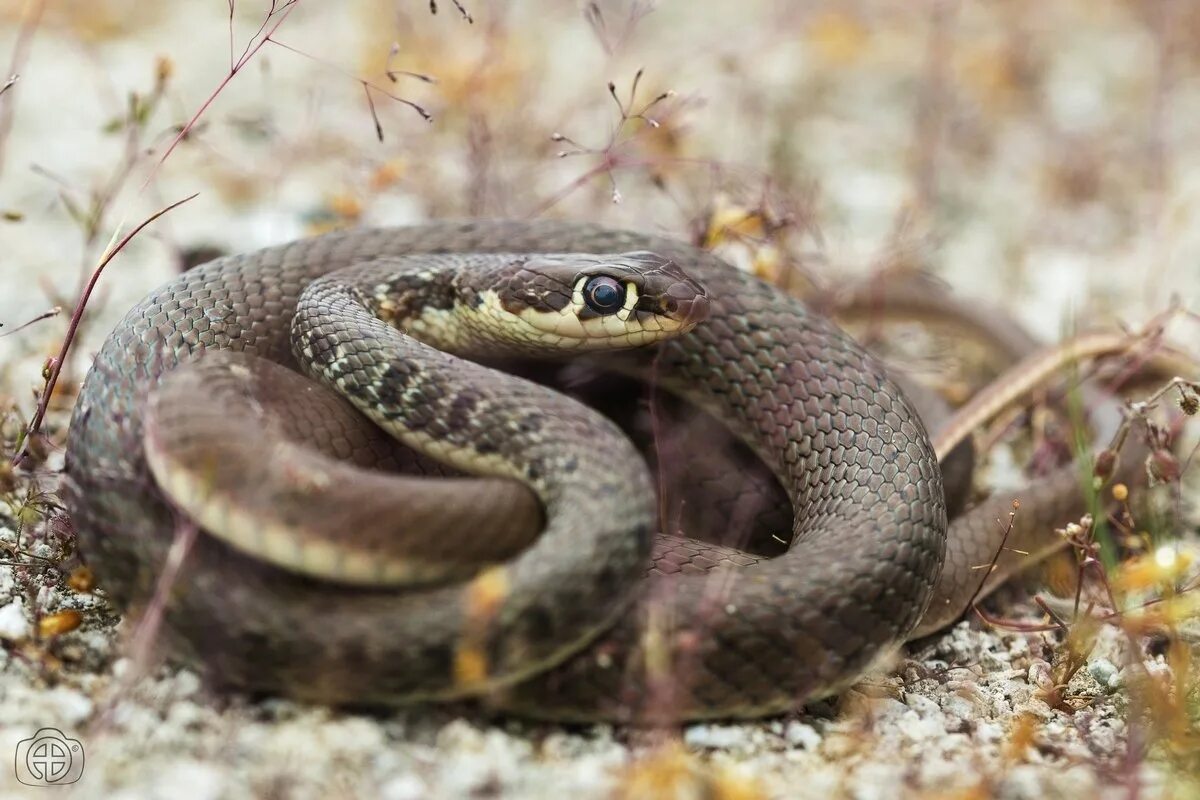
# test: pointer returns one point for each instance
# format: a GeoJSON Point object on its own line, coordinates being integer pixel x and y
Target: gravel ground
{"type": "Point", "coordinates": [962, 716]}
{"type": "Point", "coordinates": [1040, 157]}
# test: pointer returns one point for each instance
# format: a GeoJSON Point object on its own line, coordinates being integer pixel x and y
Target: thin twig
{"type": "Point", "coordinates": [253, 46]}
{"type": "Point", "coordinates": [56, 363]}
{"type": "Point", "coordinates": [54, 312]}
{"type": "Point", "coordinates": [461, 10]}
{"type": "Point", "coordinates": [1012, 515]}
{"type": "Point", "coordinates": [367, 85]}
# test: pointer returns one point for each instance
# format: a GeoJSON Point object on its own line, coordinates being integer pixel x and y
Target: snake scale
{"type": "Point", "coordinates": [565, 627]}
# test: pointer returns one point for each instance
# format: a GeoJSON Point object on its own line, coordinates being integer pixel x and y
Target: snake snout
{"type": "Point", "coordinates": [686, 302]}
{"type": "Point", "coordinates": [693, 310]}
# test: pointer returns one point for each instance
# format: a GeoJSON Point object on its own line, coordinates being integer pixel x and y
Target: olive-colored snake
{"type": "Point", "coordinates": [561, 628]}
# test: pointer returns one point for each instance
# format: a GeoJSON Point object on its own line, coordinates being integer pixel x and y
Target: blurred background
{"type": "Point", "coordinates": [1042, 157]}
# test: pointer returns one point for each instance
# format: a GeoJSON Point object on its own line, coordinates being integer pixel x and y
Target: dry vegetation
{"type": "Point", "coordinates": [1041, 156]}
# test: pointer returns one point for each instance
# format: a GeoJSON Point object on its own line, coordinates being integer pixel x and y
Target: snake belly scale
{"type": "Point", "coordinates": [564, 629]}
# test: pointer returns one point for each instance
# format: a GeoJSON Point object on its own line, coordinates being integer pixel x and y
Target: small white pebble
{"type": "Point", "coordinates": [1039, 675]}
{"type": "Point", "coordinates": [203, 781]}
{"type": "Point", "coordinates": [714, 736]}
{"type": "Point", "coordinates": [1023, 781]}
{"type": "Point", "coordinates": [921, 704]}
{"type": "Point", "coordinates": [184, 715]}
{"type": "Point", "coordinates": [186, 683]}
{"type": "Point", "coordinates": [69, 705]}
{"type": "Point", "coordinates": [960, 707]}
{"type": "Point", "coordinates": [802, 735]}
{"type": "Point", "coordinates": [14, 625]}
{"type": "Point", "coordinates": [404, 787]}
{"type": "Point", "coordinates": [1105, 673]}
{"type": "Point", "coordinates": [993, 661]}
{"type": "Point", "coordinates": [988, 732]}
{"type": "Point", "coordinates": [876, 781]}
{"type": "Point", "coordinates": [883, 708]}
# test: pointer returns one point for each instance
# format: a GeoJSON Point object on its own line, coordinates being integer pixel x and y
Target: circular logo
{"type": "Point", "coordinates": [49, 759]}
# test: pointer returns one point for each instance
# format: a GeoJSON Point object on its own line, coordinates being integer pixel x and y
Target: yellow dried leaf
{"type": "Point", "coordinates": [672, 772]}
{"type": "Point", "coordinates": [81, 579]}
{"type": "Point", "coordinates": [838, 37]}
{"type": "Point", "coordinates": [387, 174]}
{"type": "Point", "coordinates": [991, 74]}
{"type": "Point", "coordinates": [1021, 737]}
{"type": "Point", "coordinates": [1175, 610]}
{"type": "Point", "coordinates": [662, 773]}
{"type": "Point", "coordinates": [59, 623]}
{"type": "Point", "coordinates": [1163, 567]}
{"type": "Point", "coordinates": [164, 68]}
{"type": "Point", "coordinates": [728, 221]}
{"type": "Point", "coordinates": [345, 205]}
{"type": "Point", "coordinates": [767, 263]}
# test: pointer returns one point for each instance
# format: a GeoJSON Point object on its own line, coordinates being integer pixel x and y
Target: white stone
{"type": "Point", "coordinates": [404, 787]}
{"type": "Point", "coordinates": [1105, 673]}
{"type": "Point", "coordinates": [802, 735]}
{"type": "Point", "coordinates": [14, 625]}
{"type": "Point", "coordinates": [714, 736]}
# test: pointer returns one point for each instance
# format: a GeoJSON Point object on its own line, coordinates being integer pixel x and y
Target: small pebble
{"type": "Point", "coordinates": [404, 787]}
{"type": "Point", "coordinates": [960, 707]}
{"type": "Point", "coordinates": [14, 625]}
{"type": "Point", "coordinates": [921, 704]}
{"type": "Point", "coordinates": [1105, 673]}
{"type": "Point", "coordinates": [802, 735]}
{"type": "Point", "coordinates": [714, 737]}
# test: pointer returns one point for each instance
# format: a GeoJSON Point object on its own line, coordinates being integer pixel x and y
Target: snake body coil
{"type": "Point", "coordinates": [551, 631]}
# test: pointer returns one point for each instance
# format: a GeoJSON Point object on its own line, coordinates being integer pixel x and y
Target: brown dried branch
{"type": "Point", "coordinates": [55, 365]}
{"type": "Point", "coordinates": [433, 9]}
{"type": "Point", "coordinates": [253, 45]}
{"type": "Point", "coordinates": [368, 87]}
{"type": "Point", "coordinates": [54, 312]}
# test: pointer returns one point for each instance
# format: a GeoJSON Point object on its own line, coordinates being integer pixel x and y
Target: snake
{"type": "Point", "coordinates": [268, 399]}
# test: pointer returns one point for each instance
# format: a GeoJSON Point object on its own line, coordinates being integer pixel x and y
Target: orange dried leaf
{"type": "Point", "coordinates": [837, 37]}
{"type": "Point", "coordinates": [767, 263]}
{"type": "Point", "coordinates": [729, 221]}
{"type": "Point", "coordinates": [1175, 611]}
{"type": "Point", "coordinates": [81, 580]}
{"type": "Point", "coordinates": [1163, 567]}
{"type": "Point", "coordinates": [671, 771]}
{"type": "Point", "coordinates": [387, 174]}
{"type": "Point", "coordinates": [59, 623]}
{"type": "Point", "coordinates": [164, 67]}
{"type": "Point", "coordinates": [1021, 737]}
{"type": "Point", "coordinates": [345, 206]}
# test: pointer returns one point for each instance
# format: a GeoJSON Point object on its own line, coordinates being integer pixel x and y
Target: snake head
{"type": "Point", "coordinates": [582, 301]}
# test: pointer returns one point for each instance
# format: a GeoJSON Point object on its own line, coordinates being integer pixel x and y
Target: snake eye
{"type": "Point", "coordinates": [604, 295]}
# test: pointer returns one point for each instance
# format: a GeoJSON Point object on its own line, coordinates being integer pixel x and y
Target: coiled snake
{"type": "Point", "coordinates": [564, 627]}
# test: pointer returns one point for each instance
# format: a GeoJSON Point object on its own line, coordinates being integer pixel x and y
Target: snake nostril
{"type": "Point", "coordinates": [671, 305]}
{"type": "Point", "coordinates": [696, 310]}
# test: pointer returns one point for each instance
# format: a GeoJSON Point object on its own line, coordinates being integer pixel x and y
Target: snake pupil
{"type": "Point", "coordinates": [604, 295]}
